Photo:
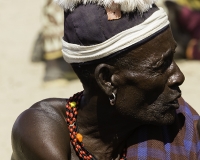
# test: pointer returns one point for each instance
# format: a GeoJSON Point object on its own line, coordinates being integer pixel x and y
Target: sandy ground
{"type": "Point", "coordinates": [21, 81]}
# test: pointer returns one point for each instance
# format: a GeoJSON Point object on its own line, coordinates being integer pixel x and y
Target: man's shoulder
{"type": "Point", "coordinates": [43, 125]}
{"type": "Point", "coordinates": [44, 112]}
{"type": "Point", "coordinates": [50, 103]}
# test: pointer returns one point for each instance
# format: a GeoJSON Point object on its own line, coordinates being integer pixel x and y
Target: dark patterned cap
{"type": "Point", "coordinates": [95, 29]}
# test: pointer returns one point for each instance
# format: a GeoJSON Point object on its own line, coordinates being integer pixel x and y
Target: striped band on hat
{"type": "Point", "coordinates": [74, 53]}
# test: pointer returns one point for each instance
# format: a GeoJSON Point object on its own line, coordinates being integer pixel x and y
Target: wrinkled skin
{"type": "Point", "coordinates": [147, 92]}
{"type": "Point", "coordinates": [149, 89]}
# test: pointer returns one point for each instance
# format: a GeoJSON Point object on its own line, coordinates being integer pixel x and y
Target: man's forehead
{"type": "Point", "coordinates": [159, 44]}
{"type": "Point", "coordinates": [165, 38]}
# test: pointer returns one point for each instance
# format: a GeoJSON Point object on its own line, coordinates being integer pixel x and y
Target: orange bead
{"type": "Point", "coordinates": [79, 137]}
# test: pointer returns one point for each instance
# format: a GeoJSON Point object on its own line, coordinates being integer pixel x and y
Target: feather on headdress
{"type": "Point", "coordinates": [126, 5]}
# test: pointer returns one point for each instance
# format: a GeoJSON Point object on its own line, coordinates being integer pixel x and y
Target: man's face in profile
{"type": "Point", "coordinates": [148, 90]}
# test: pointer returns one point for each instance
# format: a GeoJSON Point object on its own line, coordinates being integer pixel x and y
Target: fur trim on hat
{"type": "Point", "coordinates": [126, 5]}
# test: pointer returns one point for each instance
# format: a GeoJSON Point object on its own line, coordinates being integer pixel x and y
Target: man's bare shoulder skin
{"type": "Point", "coordinates": [41, 132]}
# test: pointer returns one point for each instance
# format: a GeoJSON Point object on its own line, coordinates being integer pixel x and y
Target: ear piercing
{"type": "Point", "coordinates": [112, 99]}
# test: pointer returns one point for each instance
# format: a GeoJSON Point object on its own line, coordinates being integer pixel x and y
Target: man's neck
{"type": "Point", "coordinates": [104, 132]}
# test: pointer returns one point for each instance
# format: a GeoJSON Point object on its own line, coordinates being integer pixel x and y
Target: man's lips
{"type": "Point", "coordinates": [174, 103]}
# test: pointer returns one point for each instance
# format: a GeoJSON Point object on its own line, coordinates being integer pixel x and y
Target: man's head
{"type": "Point", "coordinates": [131, 57]}
{"type": "Point", "coordinates": [145, 80]}
{"type": "Point", "coordinates": [147, 89]}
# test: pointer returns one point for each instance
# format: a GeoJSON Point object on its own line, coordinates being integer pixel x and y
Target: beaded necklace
{"type": "Point", "coordinates": [75, 137]}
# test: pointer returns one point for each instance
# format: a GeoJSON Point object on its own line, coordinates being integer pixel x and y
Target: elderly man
{"type": "Point", "coordinates": [131, 106]}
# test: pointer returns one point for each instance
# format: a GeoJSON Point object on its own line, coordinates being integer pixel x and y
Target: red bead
{"type": "Point", "coordinates": [88, 158]}
{"type": "Point", "coordinates": [72, 136]}
{"type": "Point", "coordinates": [68, 107]}
{"type": "Point", "coordinates": [71, 129]}
{"type": "Point", "coordinates": [70, 122]}
{"type": "Point", "coordinates": [77, 146]}
{"type": "Point", "coordinates": [71, 115]}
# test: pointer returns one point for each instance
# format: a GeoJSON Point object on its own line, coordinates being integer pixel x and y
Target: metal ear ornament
{"type": "Point", "coordinates": [112, 99]}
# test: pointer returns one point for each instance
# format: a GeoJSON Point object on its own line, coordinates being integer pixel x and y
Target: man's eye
{"type": "Point", "coordinates": [167, 63]}
{"type": "Point", "coordinates": [164, 64]}
{"type": "Point", "coordinates": [167, 60]}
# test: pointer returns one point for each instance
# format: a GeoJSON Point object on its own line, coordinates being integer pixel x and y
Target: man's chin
{"type": "Point", "coordinates": [166, 119]}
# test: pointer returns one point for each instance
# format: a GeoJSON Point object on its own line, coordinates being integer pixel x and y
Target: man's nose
{"type": "Point", "coordinates": [177, 77]}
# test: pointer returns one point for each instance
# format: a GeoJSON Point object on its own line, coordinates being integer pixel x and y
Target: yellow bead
{"type": "Point", "coordinates": [79, 137]}
{"type": "Point", "coordinates": [72, 104]}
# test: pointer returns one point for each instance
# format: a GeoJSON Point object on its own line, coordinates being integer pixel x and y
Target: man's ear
{"type": "Point", "coordinates": [103, 74]}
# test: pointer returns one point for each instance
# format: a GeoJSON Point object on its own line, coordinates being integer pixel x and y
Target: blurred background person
{"type": "Point", "coordinates": [48, 46]}
{"type": "Point", "coordinates": [184, 16]}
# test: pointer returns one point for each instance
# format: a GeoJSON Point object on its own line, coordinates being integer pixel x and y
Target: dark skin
{"type": "Point", "coordinates": [147, 93]}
